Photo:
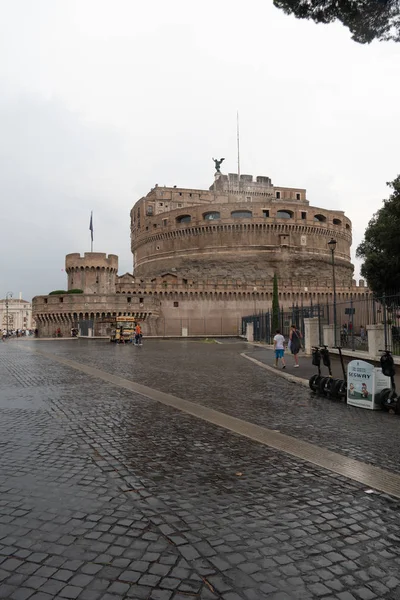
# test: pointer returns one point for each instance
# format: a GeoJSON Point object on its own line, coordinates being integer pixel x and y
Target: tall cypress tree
{"type": "Point", "coordinates": [275, 306]}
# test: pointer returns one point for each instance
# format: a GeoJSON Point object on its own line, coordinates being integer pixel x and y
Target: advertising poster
{"type": "Point", "coordinates": [360, 384]}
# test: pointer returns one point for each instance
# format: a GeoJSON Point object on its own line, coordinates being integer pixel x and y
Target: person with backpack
{"type": "Point", "coordinates": [295, 338]}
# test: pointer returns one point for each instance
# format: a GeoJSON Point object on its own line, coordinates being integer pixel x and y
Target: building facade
{"type": "Point", "coordinates": [243, 228]}
{"type": "Point", "coordinates": [16, 313]}
{"type": "Point", "coordinates": [205, 258]}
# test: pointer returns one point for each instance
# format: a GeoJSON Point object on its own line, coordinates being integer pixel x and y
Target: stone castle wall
{"type": "Point", "coordinates": [94, 272]}
{"type": "Point", "coordinates": [238, 234]}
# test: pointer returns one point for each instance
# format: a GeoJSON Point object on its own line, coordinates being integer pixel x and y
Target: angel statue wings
{"type": "Point", "coordinates": [218, 164]}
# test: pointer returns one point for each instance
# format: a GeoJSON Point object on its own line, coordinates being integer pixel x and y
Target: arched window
{"type": "Point", "coordinates": [211, 216]}
{"type": "Point", "coordinates": [320, 218]}
{"type": "Point", "coordinates": [337, 222]}
{"type": "Point", "coordinates": [347, 226]}
{"type": "Point", "coordinates": [241, 214]}
{"type": "Point", "coordinates": [183, 219]}
{"type": "Point", "coordinates": [284, 214]}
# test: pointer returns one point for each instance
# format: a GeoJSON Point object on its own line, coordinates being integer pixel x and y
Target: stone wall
{"type": "Point", "coordinates": [94, 272]}
{"type": "Point", "coordinates": [232, 234]}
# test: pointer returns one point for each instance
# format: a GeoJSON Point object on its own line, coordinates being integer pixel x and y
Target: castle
{"type": "Point", "coordinates": [202, 259]}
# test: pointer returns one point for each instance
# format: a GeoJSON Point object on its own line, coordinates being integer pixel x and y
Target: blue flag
{"type": "Point", "coordinates": [91, 225]}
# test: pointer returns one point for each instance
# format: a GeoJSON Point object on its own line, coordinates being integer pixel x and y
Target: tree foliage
{"type": "Point", "coordinates": [380, 248]}
{"type": "Point", "coordinates": [275, 305]}
{"type": "Point", "coordinates": [367, 20]}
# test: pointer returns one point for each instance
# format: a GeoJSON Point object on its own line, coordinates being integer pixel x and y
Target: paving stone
{"type": "Point", "coordinates": [169, 583]}
{"type": "Point", "coordinates": [6, 591]}
{"type": "Point", "coordinates": [118, 588]}
{"type": "Point", "coordinates": [52, 586]}
{"type": "Point", "coordinates": [71, 591]}
{"type": "Point", "coordinates": [149, 580]}
{"type": "Point", "coordinates": [35, 582]}
{"type": "Point", "coordinates": [91, 569]}
{"type": "Point", "coordinates": [160, 595]}
{"type": "Point", "coordinates": [22, 593]}
{"type": "Point", "coordinates": [364, 593]}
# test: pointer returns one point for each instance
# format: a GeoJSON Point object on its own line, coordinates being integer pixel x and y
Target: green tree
{"type": "Point", "coordinates": [380, 248]}
{"type": "Point", "coordinates": [275, 305]}
{"type": "Point", "coordinates": [367, 20]}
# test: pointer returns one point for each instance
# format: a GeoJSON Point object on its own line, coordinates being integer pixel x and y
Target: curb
{"type": "Point", "coordinates": [280, 373]}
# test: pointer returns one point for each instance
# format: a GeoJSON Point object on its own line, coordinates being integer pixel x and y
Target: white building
{"type": "Point", "coordinates": [19, 313]}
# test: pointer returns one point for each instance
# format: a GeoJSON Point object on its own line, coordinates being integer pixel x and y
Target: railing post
{"type": "Point", "coordinates": [384, 320]}
{"type": "Point", "coordinates": [352, 322]}
{"type": "Point", "coordinates": [319, 324]}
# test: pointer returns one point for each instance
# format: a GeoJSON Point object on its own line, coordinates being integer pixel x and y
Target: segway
{"type": "Point", "coordinates": [339, 386]}
{"type": "Point", "coordinates": [388, 397]}
{"type": "Point", "coordinates": [325, 383]}
{"type": "Point", "coordinates": [316, 361]}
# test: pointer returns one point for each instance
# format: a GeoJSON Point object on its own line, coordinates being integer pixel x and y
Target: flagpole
{"type": "Point", "coordinates": [91, 231]}
{"type": "Point", "coordinates": [238, 146]}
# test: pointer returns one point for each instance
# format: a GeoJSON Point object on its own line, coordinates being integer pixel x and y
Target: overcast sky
{"type": "Point", "coordinates": [101, 99]}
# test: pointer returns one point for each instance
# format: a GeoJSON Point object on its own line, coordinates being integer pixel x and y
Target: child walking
{"type": "Point", "coordinates": [279, 347]}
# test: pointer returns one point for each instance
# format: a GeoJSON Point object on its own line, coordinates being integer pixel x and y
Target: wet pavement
{"type": "Point", "coordinates": [306, 369]}
{"type": "Point", "coordinates": [106, 494]}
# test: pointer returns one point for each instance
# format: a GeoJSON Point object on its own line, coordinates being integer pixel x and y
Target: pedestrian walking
{"type": "Point", "coordinates": [279, 347]}
{"type": "Point", "coordinates": [295, 338]}
{"type": "Point", "coordinates": [138, 335]}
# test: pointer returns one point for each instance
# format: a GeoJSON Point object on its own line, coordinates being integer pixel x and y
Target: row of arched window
{"type": "Point", "coordinates": [247, 214]}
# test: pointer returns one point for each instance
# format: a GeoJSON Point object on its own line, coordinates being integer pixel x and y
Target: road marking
{"type": "Point", "coordinates": [369, 475]}
{"type": "Point", "coordinates": [278, 372]}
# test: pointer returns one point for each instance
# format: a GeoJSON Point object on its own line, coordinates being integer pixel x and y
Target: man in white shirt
{"type": "Point", "coordinates": [279, 347]}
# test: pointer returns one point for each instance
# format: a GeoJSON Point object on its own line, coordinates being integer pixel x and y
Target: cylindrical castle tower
{"type": "Point", "coordinates": [94, 272]}
{"type": "Point", "coordinates": [241, 230]}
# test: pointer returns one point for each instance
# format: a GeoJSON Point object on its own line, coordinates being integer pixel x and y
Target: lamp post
{"type": "Point", "coordinates": [254, 299]}
{"type": "Point", "coordinates": [8, 296]}
{"type": "Point", "coordinates": [332, 247]}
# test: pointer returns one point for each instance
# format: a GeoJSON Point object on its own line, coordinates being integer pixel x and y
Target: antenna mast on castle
{"type": "Point", "coordinates": [238, 146]}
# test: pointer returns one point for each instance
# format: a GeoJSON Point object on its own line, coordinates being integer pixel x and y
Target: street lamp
{"type": "Point", "coordinates": [332, 247]}
{"type": "Point", "coordinates": [8, 296]}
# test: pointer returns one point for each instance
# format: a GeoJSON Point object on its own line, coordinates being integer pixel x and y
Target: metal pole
{"type": "Point", "coordinates": [334, 296]}
{"type": "Point", "coordinates": [319, 325]}
{"type": "Point", "coordinates": [8, 296]}
{"type": "Point", "coordinates": [384, 321]}
{"type": "Point", "coordinates": [352, 322]}
{"type": "Point", "coordinates": [238, 147]}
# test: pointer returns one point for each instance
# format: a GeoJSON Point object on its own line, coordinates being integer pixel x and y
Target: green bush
{"type": "Point", "coordinates": [77, 291]}
{"type": "Point", "coordinates": [54, 292]}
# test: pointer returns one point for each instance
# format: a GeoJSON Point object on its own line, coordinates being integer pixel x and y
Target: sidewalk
{"type": "Point", "coordinates": [306, 368]}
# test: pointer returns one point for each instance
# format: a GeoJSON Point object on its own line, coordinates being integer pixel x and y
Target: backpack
{"type": "Point", "coordinates": [316, 357]}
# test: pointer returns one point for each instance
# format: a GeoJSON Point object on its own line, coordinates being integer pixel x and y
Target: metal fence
{"type": "Point", "coordinates": [352, 317]}
{"type": "Point", "coordinates": [262, 322]}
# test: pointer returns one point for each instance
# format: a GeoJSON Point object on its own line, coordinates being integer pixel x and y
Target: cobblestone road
{"type": "Point", "coordinates": [216, 375]}
{"type": "Point", "coordinates": [105, 494]}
